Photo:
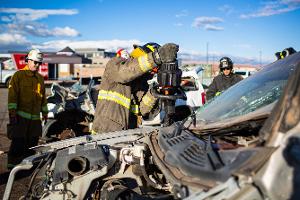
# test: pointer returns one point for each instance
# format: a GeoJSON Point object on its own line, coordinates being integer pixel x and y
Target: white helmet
{"type": "Point", "coordinates": [35, 55]}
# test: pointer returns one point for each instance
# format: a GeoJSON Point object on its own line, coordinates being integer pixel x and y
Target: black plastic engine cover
{"type": "Point", "coordinates": [95, 155]}
{"type": "Point", "coordinates": [197, 158]}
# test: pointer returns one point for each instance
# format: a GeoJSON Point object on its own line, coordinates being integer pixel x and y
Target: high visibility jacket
{"type": "Point", "coordinates": [123, 91]}
{"type": "Point", "coordinates": [221, 83]}
{"type": "Point", "coordinates": [26, 94]}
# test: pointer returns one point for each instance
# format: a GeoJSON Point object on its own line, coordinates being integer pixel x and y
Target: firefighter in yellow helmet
{"type": "Point", "coordinates": [124, 93]}
{"type": "Point", "coordinates": [26, 102]}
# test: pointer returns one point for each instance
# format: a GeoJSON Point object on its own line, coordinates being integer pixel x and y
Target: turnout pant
{"type": "Point", "coordinates": [24, 134]}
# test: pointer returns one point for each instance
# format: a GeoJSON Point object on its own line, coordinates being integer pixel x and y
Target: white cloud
{"type": "Point", "coordinates": [210, 27]}
{"type": "Point", "coordinates": [23, 21]}
{"type": "Point", "coordinates": [7, 18]}
{"type": "Point", "coordinates": [207, 23]}
{"type": "Point", "coordinates": [7, 39]}
{"type": "Point", "coordinates": [28, 14]}
{"type": "Point", "coordinates": [13, 42]}
{"type": "Point", "coordinates": [274, 8]}
{"type": "Point", "coordinates": [41, 30]}
{"type": "Point", "coordinates": [66, 31]}
{"type": "Point", "coordinates": [201, 21]}
{"type": "Point", "coordinates": [108, 45]}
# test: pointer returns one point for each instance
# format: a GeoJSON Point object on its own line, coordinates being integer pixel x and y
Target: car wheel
{"type": "Point", "coordinates": [7, 82]}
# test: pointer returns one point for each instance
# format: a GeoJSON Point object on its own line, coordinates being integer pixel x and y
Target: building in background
{"type": "Point", "coordinates": [99, 58]}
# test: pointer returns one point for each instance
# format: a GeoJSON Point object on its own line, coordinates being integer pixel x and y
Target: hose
{"type": "Point", "coordinates": [146, 177]}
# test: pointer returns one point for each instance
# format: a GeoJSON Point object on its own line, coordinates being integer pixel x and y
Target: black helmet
{"type": "Point", "coordinates": [150, 47]}
{"type": "Point", "coordinates": [225, 62]}
{"type": "Point", "coordinates": [288, 51]}
{"type": "Point", "coordinates": [278, 55]}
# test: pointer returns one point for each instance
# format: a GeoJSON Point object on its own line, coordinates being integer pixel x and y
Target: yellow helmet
{"type": "Point", "coordinates": [142, 50]}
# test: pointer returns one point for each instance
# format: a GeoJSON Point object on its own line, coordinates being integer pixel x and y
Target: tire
{"type": "Point", "coordinates": [46, 127]}
{"type": "Point", "coordinates": [7, 82]}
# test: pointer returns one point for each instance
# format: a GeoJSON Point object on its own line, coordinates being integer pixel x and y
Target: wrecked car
{"type": "Point", "coordinates": [243, 145]}
{"type": "Point", "coordinates": [71, 111]}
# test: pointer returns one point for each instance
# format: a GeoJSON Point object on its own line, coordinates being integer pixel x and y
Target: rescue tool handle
{"type": "Point", "coordinates": [179, 95]}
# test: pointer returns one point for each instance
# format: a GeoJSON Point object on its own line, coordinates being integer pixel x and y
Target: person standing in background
{"type": "Point", "coordinates": [224, 80]}
{"type": "Point", "coordinates": [26, 102]}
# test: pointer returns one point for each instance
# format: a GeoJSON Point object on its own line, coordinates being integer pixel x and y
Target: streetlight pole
{"type": "Point", "coordinates": [207, 44]}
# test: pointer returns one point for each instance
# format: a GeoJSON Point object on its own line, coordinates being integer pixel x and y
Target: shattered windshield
{"type": "Point", "coordinates": [257, 91]}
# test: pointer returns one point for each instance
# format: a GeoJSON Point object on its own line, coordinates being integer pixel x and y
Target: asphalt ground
{"type": "Point", "coordinates": [22, 178]}
{"type": "Point", "coordinates": [19, 186]}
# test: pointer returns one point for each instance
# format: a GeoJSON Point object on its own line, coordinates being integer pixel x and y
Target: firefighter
{"type": "Point", "coordinates": [285, 52]}
{"type": "Point", "coordinates": [26, 102]}
{"type": "Point", "coordinates": [124, 94]}
{"type": "Point", "coordinates": [224, 80]}
{"type": "Point", "coordinates": [123, 53]}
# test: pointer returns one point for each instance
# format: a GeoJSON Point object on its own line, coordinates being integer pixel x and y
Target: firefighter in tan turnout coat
{"type": "Point", "coordinates": [124, 94]}
{"type": "Point", "coordinates": [26, 102]}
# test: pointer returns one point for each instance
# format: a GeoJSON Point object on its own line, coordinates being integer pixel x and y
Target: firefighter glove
{"type": "Point", "coordinates": [12, 117]}
{"type": "Point", "coordinates": [166, 54]}
{"type": "Point", "coordinates": [45, 118]}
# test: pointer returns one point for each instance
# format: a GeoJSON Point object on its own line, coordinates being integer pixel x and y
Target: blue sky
{"type": "Point", "coordinates": [238, 28]}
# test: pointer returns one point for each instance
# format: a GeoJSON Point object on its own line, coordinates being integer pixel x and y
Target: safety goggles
{"type": "Point", "coordinates": [36, 62]}
{"type": "Point", "coordinates": [225, 68]}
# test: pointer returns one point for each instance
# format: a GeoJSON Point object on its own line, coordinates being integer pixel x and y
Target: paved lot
{"type": "Point", "coordinates": [4, 141]}
{"type": "Point", "coordinates": [20, 185]}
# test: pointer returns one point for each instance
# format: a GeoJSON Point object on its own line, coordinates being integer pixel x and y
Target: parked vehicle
{"type": "Point", "coordinates": [71, 112]}
{"type": "Point", "coordinates": [245, 73]}
{"type": "Point", "coordinates": [242, 145]}
{"type": "Point", "coordinates": [7, 69]}
{"type": "Point", "coordinates": [5, 75]}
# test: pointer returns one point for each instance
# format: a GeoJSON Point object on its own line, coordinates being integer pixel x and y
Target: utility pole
{"type": "Point", "coordinates": [211, 68]}
{"type": "Point", "coordinates": [207, 53]}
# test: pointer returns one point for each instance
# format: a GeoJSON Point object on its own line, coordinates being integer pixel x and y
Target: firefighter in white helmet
{"type": "Point", "coordinates": [26, 102]}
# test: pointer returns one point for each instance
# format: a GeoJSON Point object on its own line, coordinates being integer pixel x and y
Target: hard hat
{"type": "Point", "coordinates": [123, 53]}
{"type": "Point", "coordinates": [225, 62]}
{"type": "Point", "coordinates": [287, 51]}
{"type": "Point", "coordinates": [35, 55]}
{"type": "Point", "coordinates": [278, 55]}
{"type": "Point", "coordinates": [142, 50]}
